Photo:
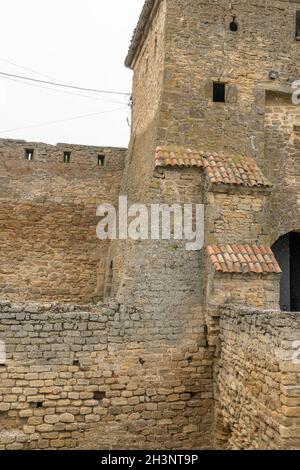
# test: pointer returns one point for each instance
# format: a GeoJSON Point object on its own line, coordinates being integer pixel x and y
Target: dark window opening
{"type": "Point", "coordinates": [233, 25]}
{"type": "Point", "coordinates": [67, 157]}
{"type": "Point", "coordinates": [219, 92]}
{"type": "Point", "coordinates": [29, 154]}
{"type": "Point", "coordinates": [99, 396]}
{"type": "Point", "coordinates": [287, 253]}
{"type": "Point", "coordinates": [101, 160]}
{"type": "Point", "coordinates": [298, 25]}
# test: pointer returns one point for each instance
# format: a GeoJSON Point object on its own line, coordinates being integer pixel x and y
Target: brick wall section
{"type": "Point", "coordinates": [259, 385]}
{"type": "Point", "coordinates": [49, 249]}
{"type": "Point", "coordinates": [140, 381]}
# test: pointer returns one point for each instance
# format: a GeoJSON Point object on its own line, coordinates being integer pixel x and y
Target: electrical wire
{"type": "Point", "coordinates": [62, 85]}
{"type": "Point", "coordinates": [65, 92]}
{"type": "Point", "coordinates": [52, 78]}
{"type": "Point", "coordinates": [62, 120]}
{"type": "Point", "coordinates": [31, 70]}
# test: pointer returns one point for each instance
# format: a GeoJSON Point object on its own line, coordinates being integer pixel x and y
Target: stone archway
{"type": "Point", "coordinates": [287, 252]}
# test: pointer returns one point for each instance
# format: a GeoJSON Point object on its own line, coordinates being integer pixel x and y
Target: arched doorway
{"type": "Point", "coordinates": [287, 253]}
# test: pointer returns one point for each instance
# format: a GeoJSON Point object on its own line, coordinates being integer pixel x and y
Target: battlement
{"type": "Point", "coordinates": [49, 195]}
{"type": "Point", "coordinates": [85, 156]}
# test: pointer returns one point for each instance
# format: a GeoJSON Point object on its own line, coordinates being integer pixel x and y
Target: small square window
{"type": "Point", "coordinates": [298, 25]}
{"type": "Point", "coordinates": [67, 157]}
{"type": "Point", "coordinates": [219, 92]}
{"type": "Point", "coordinates": [101, 160]}
{"type": "Point", "coordinates": [29, 154]}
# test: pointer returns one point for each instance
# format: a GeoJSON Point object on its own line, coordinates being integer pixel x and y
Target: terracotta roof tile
{"type": "Point", "coordinates": [218, 168]}
{"type": "Point", "coordinates": [243, 258]}
{"type": "Point", "coordinates": [180, 157]}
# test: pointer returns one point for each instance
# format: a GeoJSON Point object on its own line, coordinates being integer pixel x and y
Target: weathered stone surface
{"type": "Point", "coordinates": [159, 366]}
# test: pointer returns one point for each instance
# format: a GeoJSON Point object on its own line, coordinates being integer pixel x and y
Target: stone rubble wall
{"type": "Point", "coordinates": [258, 381]}
{"type": "Point", "coordinates": [200, 49]}
{"type": "Point", "coordinates": [237, 217]}
{"type": "Point", "coordinates": [48, 245]}
{"type": "Point", "coordinates": [83, 157]}
{"type": "Point", "coordinates": [103, 377]}
{"type": "Point", "coordinates": [281, 164]}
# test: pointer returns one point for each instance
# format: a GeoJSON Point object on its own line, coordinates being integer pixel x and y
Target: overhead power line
{"type": "Point", "coordinates": [32, 70]}
{"type": "Point", "coordinates": [62, 120]}
{"type": "Point", "coordinates": [62, 85]}
{"type": "Point", "coordinates": [80, 95]}
{"type": "Point", "coordinates": [52, 78]}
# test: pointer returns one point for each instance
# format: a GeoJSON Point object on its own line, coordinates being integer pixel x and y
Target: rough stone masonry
{"type": "Point", "coordinates": [142, 344]}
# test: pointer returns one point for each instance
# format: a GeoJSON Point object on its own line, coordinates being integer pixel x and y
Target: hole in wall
{"type": "Point", "coordinates": [141, 361]}
{"type": "Point", "coordinates": [234, 25]}
{"type": "Point", "coordinates": [99, 396]}
{"type": "Point", "coordinates": [206, 336]}
{"type": "Point", "coordinates": [76, 362]}
{"type": "Point", "coordinates": [38, 404]}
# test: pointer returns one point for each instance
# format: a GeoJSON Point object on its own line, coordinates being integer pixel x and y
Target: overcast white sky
{"type": "Point", "coordinates": [80, 42]}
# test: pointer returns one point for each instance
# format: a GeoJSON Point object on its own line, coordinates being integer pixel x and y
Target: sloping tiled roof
{"type": "Point", "coordinates": [234, 170]}
{"type": "Point", "coordinates": [243, 259]}
{"type": "Point", "coordinates": [180, 157]}
{"type": "Point", "coordinates": [218, 168]}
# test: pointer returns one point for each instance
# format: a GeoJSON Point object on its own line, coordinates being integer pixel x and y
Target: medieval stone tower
{"type": "Point", "coordinates": [152, 346]}
{"type": "Point", "coordinates": [213, 122]}
{"type": "Point", "coordinates": [216, 77]}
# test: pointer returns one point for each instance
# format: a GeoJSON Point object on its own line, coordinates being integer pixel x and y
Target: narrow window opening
{"type": "Point", "coordinates": [298, 25]}
{"type": "Point", "coordinates": [67, 157]}
{"type": "Point", "coordinates": [101, 160]}
{"type": "Point", "coordinates": [109, 280]}
{"type": "Point", "coordinates": [219, 92]}
{"type": "Point", "coordinates": [233, 25]}
{"type": "Point", "coordinates": [29, 154]}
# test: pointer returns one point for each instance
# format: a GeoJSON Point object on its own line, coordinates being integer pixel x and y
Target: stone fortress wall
{"type": "Point", "coordinates": [168, 362]}
{"type": "Point", "coordinates": [48, 221]}
{"type": "Point", "coordinates": [104, 377]}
